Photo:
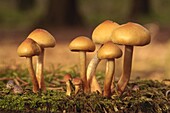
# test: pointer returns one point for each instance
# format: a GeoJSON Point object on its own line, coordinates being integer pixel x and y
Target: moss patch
{"type": "Point", "coordinates": [140, 96]}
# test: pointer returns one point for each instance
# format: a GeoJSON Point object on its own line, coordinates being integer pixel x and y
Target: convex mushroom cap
{"type": "Point", "coordinates": [77, 81]}
{"type": "Point", "coordinates": [103, 31]}
{"type": "Point", "coordinates": [131, 34]}
{"type": "Point", "coordinates": [43, 38]}
{"type": "Point", "coordinates": [82, 43]}
{"type": "Point", "coordinates": [67, 77]}
{"type": "Point", "coordinates": [28, 48]}
{"type": "Point", "coordinates": [109, 51]}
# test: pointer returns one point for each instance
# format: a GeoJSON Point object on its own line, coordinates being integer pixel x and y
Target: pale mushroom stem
{"type": "Point", "coordinates": [91, 70]}
{"type": "Point", "coordinates": [83, 71]}
{"type": "Point", "coordinates": [77, 89]}
{"type": "Point", "coordinates": [95, 87]}
{"type": "Point", "coordinates": [91, 78]}
{"type": "Point", "coordinates": [32, 74]}
{"type": "Point", "coordinates": [124, 79]}
{"type": "Point", "coordinates": [68, 88]}
{"type": "Point", "coordinates": [39, 71]}
{"type": "Point", "coordinates": [110, 68]}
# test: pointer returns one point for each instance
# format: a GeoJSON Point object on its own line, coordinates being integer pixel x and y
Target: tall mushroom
{"type": "Point", "coordinates": [110, 52]}
{"type": "Point", "coordinates": [28, 49]}
{"type": "Point", "coordinates": [82, 45]}
{"type": "Point", "coordinates": [129, 34]}
{"type": "Point", "coordinates": [100, 35]}
{"type": "Point", "coordinates": [45, 40]}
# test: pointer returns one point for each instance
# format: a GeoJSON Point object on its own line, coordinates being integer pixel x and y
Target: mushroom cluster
{"type": "Point", "coordinates": [109, 36]}
{"type": "Point", "coordinates": [72, 83]}
{"type": "Point", "coordinates": [34, 45]}
{"type": "Point", "coordinates": [129, 34]}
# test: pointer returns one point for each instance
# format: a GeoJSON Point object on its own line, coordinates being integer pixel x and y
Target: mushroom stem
{"type": "Point", "coordinates": [94, 86]}
{"type": "Point", "coordinates": [110, 68]}
{"type": "Point", "coordinates": [32, 74]}
{"type": "Point", "coordinates": [124, 79]}
{"type": "Point", "coordinates": [83, 71]}
{"type": "Point", "coordinates": [91, 70]}
{"type": "Point", "coordinates": [77, 89]}
{"type": "Point", "coordinates": [68, 88]}
{"type": "Point", "coordinates": [91, 78]}
{"type": "Point", "coordinates": [92, 67]}
{"type": "Point", "coordinates": [39, 71]}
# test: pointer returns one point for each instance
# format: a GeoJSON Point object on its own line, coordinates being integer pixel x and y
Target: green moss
{"type": "Point", "coordinates": [150, 98]}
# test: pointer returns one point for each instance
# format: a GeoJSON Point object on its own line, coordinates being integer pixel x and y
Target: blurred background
{"type": "Point", "coordinates": [67, 19]}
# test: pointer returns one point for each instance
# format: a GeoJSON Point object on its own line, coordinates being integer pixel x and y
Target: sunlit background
{"type": "Point", "coordinates": [67, 19]}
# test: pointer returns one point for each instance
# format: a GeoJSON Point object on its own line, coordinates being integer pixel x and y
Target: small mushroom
{"type": "Point", "coordinates": [45, 40]}
{"type": "Point", "coordinates": [17, 89]}
{"type": "Point", "coordinates": [77, 82]}
{"type": "Point", "coordinates": [135, 88]}
{"type": "Point", "coordinates": [10, 84]}
{"type": "Point", "coordinates": [67, 79]}
{"type": "Point", "coordinates": [28, 49]}
{"type": "Point", "coordinates": [100, 35]}
{"type": "Point", "coordinates": [130, 35]}
{"type": "Point", "coordinates": [82, 45]}
{"type": "Point", "coordinates": [110, 52]}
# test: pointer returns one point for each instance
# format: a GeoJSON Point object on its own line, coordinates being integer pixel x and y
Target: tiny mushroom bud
{"type": "Point", "coordinates": [109, 51]}
{"type": "Point", "coordinates": [100, 35]}
{"type": "Point", "coordinates": [82, 45]}
{"type": "Point", "coordinates": [130, 35]}
{"type": "Point", "coordinates": [10, 84]}
{"type": "Point", "coordinates": [135, 88]}
{"type": "Point", "coordinates": [17, 89]}
{"type": "Point", "coordinates": [45, 40]}
{"type": "Point", "coordinates": [77, 82]}
{"type": "Point", "coordinates": [67, 79]}
{"type": "Point", "coordinates": [28, 49]}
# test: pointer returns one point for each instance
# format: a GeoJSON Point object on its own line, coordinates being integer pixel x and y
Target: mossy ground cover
{"type": "Point", "coordinates": [145, 96]}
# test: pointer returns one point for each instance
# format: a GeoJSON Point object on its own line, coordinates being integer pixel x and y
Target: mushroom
{"type": "Point", "coordinates": [129, 34]}
{"type": "Point", "coordinates": [82, 45]}
{"type": "Point", "coordinates": [28, 49]}
{"type": "Point", "coordinates": [77, 82]}
{"type": "Point", "coordinates": [110, 52]}
{"type": "Point", "coordinates": [10, 84]}
{"type": "Point", "coordinates": [17, 89]}
{"type": "Point", "coordinates": [67, 79]}
{"type": "Point", "coordinates": [100, 35]}
{"type": "Point", "coordinates": [45, 40]}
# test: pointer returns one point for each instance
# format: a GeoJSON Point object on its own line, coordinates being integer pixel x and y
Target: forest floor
{"type": "Point", "coordinates": [150, 62]}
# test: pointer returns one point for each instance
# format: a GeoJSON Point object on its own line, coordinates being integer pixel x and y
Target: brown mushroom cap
{"type": "Point", "coordinates": [28, 48]}
{"type": "Point", "coordinates": [77, 81]}
{"type": "Point", "coordinates": [82, 43]}
{"type": "Point", "coordinates": [67, 77]}
{"type": "Point", "coordinates": [131, 34]}
{"type": "Point", "coordinates": [109, 51]}
{"type": "Point", "coordinates": [43, 38]}
{"type": "Point", "coordinates": [103, 31]}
